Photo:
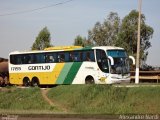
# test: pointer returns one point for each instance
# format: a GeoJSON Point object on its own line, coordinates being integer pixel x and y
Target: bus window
{"type": "Point", "coordinates": [81, 56]}
{"type": "Point", "coordinates": [77, 56]}
{"type": "Point", "coordinates": [26, 59]}
{"type": "Point", "coordinates": [88, 56]}
{"type": "Point", "coordinates": [61, 57]}
{"type": "Point", "coordinates": [12, 59]}
{"type": "Point", "coordinates": [51, 57]}
{"type": "Point", "coordinates": [71, 57]}
{"type": "Point", "coordinates": [92, 56]}
{"type": "Point", "coordinates": [39, 58]}
{"type": "Point", "coordinates": [102, 60]}
{"type": "Point", "coordinates": [84, 56]}
{"type": "Point", "coordinates": [15, 59]}
{"type": "Point", "coordinates": [67, 57]}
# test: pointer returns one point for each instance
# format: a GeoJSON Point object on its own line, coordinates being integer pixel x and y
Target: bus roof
{"type": "Point", "coordinates": [63, 48]}
{"type": "Point", "coordinates": [50, 49]}
{"type": "Point", "coordinates": [108, 48]}
{"type": "Point", "coordinates": [66, 48]}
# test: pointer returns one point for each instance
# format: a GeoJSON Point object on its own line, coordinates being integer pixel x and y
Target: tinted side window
{"type": "Point", "coordinates": [88, 56]}
{"type": "Point", "coordinates": [61, 57]}
{"type": "Point", "coordinates": [20, 59]}
{"type": "Point", "coordinates": [100, 54]}
{"type": "Point", "coordinates": [67, 58]}
{"type": "Point", "coordinates": [102, 60]}
{"type": "Point", "coordinates": [15, 59]}
{"type": "Point", "coordinates": [26, 59]}
{"type": "Point", "coordinates": [12, 59]}
{"type": "Point", "coordinates": [75, 56]}
{"type": "Point", "coordinates": [39, 58]}
{"type": "Point", "coordinates": [51, 57]}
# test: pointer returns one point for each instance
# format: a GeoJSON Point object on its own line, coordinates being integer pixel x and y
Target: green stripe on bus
{"type": "Point", "coordinates": [87, 48]}
{"type": "Point", "coordinates": [78, 48]}
{"type": "Point", "coordinates": [72, 73]}
{"type": "Point", "coordinates": [64, 73]}
{"type": "Point", "coordinates": [84, 48]}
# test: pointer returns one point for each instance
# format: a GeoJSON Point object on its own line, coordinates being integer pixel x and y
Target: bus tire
{"type": "Point", "coordinates": [35, 82]}
{"type": "Point", "coordinates": [26, 82]}
{"type": "Point", "coordinates": [89, 80]}
{"type": "Point", "coordinates": [1, 81]}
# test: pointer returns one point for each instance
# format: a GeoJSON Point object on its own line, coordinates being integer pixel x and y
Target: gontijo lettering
{"type": "Point", "coordinates": [47, 67]}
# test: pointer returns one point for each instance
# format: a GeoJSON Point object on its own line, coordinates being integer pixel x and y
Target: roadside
{"type": "Point", "coordinates": [44, 92]}
{"type": "Point", "coordinates": [137, 85]}
{"type": "Point", "coordinates": [59, 117]}
{"type": "Point", "coordinates": [80, 99]}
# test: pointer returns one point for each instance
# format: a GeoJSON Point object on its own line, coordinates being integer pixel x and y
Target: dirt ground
{"type": "Point", "coordinates": [23, 118]}
{"type": "Point", "coordinates": [59, 117]}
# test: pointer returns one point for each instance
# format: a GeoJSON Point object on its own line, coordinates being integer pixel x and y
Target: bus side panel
{"type": "Point", "coordinates": [51, 77]}
{"type": "Point", "coordinates": [86, 69]}
{"type": "Point", "coordinates": [64, 73]}
{"type": "Point", "coordinates": [14, 79]}
{"type": "Point", "coordinates": [72, 73]}
{"type": "Point", "coordinates": [17, 78]}
{"type": "Point", "coordinates": [57, 70]}
{"type": "Point", "coordinates": [48, 77]}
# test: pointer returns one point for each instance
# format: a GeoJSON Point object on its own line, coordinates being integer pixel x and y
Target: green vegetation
{"type": "Point", "coordinates": [105, 99]}
{"type": "Point", "coordinates": [114, 31]}
{"type": "Point", "coordinates": [23, 100]}
{"type": "Point", "coordinates": [81, 99]}
{"type": "Point", "coordinates": [43, 40]}
{"type": "Point", "coordinates": [82, 41]}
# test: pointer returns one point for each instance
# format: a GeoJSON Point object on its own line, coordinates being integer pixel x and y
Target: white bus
{"type": "Point", "coordinates": [70, 65]}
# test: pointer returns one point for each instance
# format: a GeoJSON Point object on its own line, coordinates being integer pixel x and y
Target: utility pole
{"type": "Point", "coordinates": [138, 42]}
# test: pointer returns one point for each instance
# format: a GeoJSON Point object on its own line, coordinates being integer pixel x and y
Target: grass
{"type": "Point", "coordinates": [105, 99]}
{"type": "Point", "coordinates": [23, 100]}
{"type": "Point", "coordinates": [82, 99]}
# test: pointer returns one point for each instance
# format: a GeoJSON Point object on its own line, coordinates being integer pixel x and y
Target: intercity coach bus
{"type": "Point", "coordinates": [70, 65]}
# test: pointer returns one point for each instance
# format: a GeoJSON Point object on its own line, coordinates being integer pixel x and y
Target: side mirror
{"type": "Point", "coordinates": [111, 59]}
{"type": "Point", "coordinates": [133, 59]}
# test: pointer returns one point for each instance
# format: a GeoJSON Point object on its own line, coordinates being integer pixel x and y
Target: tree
{"type": "Point", "coordinates": [43, 40]}
{"type": "Point", "coordinates": [127, 36]}
{"type": "Point", "coordinates": [79, 41]}
{"type": "Point", "coordinates": [105, 33]}
{"type": "Point", "coordinates": [123, 33]}
{"type": "Point", "coordinates": [82, 41]}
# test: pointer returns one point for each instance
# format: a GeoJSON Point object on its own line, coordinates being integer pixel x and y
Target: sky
{"type": "Point", "coordinates": [66, 21]}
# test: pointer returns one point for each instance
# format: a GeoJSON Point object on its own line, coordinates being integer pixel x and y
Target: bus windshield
{"type": "Point", "coordinates": [121, 62]}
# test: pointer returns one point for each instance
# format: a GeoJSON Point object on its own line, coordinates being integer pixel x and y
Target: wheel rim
{"type": "Point", "coordinates": [35, 83]}
{"type": "Point", "coordinates": [26, 83]}
{"type": "Point", "coordinates": [90, 81]}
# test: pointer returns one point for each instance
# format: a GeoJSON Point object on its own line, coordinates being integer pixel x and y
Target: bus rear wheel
{"type": "Point", "coordinates": [89, 80]}
{"type": "Point", "coordinates": [26, 82]}
{"type": "Point", "coordinates": [35, 82]}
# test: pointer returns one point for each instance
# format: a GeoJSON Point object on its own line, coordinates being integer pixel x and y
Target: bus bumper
{"type": "Point", "coordinates": [119, 79]}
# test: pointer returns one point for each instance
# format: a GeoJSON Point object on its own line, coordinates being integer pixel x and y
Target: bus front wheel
{"type": "Point", "coordinates": [89, 80]}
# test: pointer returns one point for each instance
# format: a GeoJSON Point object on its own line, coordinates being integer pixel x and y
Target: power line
{"type": "Point", "coordinates": [36, 9]}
